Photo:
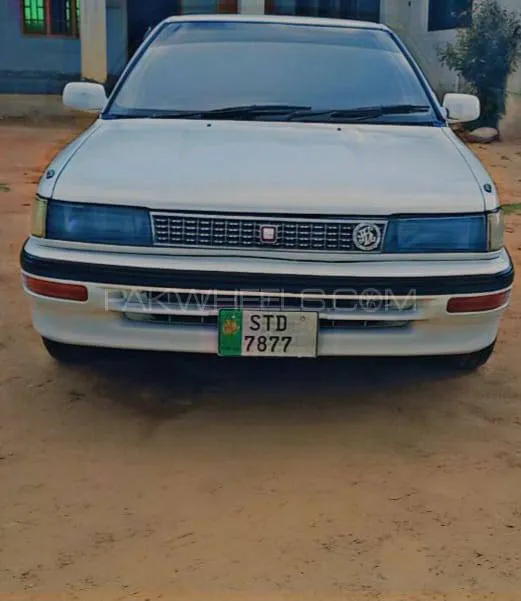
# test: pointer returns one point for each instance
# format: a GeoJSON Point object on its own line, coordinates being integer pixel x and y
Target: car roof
{"type": "Point", "coordinates": [283, 20]}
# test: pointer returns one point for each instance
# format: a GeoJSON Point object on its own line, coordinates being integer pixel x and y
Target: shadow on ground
{"type": "Point", "coordinates": [166, 384]}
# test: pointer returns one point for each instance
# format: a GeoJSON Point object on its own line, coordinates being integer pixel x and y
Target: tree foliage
{"type": "Point", "coordinates": [485, 54]}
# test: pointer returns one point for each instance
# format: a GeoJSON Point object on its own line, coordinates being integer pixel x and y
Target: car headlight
{"type": "Point", "coordinates": [437, 234]}
{"type": "Point", "coordinates": [101, 224]}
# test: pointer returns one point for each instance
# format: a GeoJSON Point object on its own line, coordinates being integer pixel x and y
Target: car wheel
{"type": "Point", "coordinates": [67, 353]}
{"type": "Point", "coordinates": [470, 362]}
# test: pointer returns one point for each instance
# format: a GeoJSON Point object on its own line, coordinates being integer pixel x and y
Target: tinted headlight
{"type": "Point", "coordinates": [101, 224]}
{"type": "Point", "coordinates": [437, 234]}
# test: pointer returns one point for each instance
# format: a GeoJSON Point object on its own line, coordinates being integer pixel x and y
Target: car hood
{"type": "Point", "coordinates": [269, 167]}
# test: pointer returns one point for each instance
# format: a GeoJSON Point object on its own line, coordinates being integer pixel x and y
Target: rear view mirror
{"type": "Point", "coordinates": [84, 96]}
{"type": "Point", "coordinates": [461, 107]}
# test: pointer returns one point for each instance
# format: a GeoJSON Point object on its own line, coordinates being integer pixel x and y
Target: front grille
{"type": "Point", "coordinates": [211, 320]}
{"type": "Point", "coordinates": [306, 234]}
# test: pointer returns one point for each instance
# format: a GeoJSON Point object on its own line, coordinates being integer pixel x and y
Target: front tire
{"type": "Point", "coordinates": [470, 362]}
{"type": "Point", "coordinates": [67, 353]}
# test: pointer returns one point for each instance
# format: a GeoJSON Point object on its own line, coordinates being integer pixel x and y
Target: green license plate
{"type": "Point", "coordinates": [267, 333]}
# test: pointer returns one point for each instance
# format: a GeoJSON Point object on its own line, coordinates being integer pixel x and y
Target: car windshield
{"type": "Point", "coordinates": [273, 71]}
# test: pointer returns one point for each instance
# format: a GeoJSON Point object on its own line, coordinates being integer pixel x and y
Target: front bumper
{"type": "Point", "coordinates": [153, 302]}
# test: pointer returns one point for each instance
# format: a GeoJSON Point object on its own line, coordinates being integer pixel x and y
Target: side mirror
{"type": "Point", "coordinates": [84, 96]}
{"type": "Point", "coordinates": [461, 107]}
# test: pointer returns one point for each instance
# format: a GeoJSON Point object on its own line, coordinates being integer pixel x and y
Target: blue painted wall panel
{"type": "Point", "coordinates": [33, 64]}
{"type": "Point", "coordinates": [43, 65]}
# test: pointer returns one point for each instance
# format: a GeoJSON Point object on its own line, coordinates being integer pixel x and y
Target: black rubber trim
{"type": "Point", "coordinates": [211, 280]}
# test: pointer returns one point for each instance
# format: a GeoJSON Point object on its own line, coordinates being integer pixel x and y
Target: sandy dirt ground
{"type": "Point", "coordinates": [208, 480]}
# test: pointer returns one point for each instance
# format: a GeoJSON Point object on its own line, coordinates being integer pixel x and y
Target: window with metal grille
{"type": "Point", "coordinates": [51, 17]}
{"type": "Point", "coordinates": [449, 14]}
{"type": "Point", "coordinates": [363, 10]}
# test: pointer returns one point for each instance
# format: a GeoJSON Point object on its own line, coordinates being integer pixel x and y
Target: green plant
{"type": "Point", "coordinates": [485, 54]}
{"type": "Point", "coordinates": [4, 187]}
{"type": "Point", "coordinates": [514, 207]}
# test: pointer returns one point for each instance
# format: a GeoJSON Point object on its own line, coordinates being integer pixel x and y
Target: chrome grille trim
{"type": "Point", "coordinates": [198, 230]}
{"type": "Point", "coordinates": [325, 323]}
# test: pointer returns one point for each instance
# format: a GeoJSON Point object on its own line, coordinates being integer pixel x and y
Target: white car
{"type": "Point", "coordinates": [269, 186]}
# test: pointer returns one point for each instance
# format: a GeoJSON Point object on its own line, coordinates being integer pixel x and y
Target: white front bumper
{"type": "Point", "coordinates": [102, 321]}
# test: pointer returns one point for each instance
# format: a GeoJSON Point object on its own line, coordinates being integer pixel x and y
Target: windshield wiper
{"type": "Point", "coordinates": [228, 112]}
{"type": "Point", "coordinates": [254, 110]}
{"type": "Point", "coordinates": [359, 113]}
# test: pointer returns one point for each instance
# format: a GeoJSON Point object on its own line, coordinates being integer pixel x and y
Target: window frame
{"type": "Point", "coordinates": [47, 33]}
{"type": "Point", "coordinates": [465, 21]}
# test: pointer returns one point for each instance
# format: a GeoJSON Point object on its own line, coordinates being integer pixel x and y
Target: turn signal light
{"type": "Point", "coordinates": [74, 292]}
{"type": "Point", "coordinates": [474, 304]}
{"type": "Point", "coordinates": [39, 217]}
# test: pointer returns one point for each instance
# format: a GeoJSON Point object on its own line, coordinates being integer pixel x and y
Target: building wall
{"type": "Point", "coordinates": [515, 80]}
{"type": "Point", "coordinates": [511, 125]}
{"type": "Point", "coordinates": [411, 23]}
{"type": "Point", "coordinates": [391, 13]}
{"type": "Point", "coordinates": [33, 64]}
